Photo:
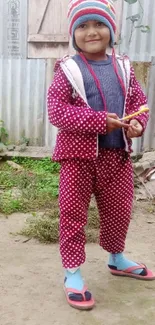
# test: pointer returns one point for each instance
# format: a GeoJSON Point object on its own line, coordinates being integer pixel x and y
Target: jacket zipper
{"type": "Point", "coordinates": [97, 146]}
{"type": "Point", "coordinates": [127, 90]}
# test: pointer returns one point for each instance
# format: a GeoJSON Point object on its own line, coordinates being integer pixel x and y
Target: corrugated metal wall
{"type": "Point", "coordinates": [142, 71]}
{"type": "Point", "coordinates": [142, 46]}
{"type": "Point", "coordinates": [24, 82]}
{"type": "Point", "coordinates": [50, 130]}
{"type": "Point", "coordinates": [22, 98]}
{"type": "Point", "coordinates": [13, 29]}
{"type": "Point", "coordinates": [149, 139]}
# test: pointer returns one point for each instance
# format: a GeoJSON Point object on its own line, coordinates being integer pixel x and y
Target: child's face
{"type": "Point", "coordinates": [92, 37]}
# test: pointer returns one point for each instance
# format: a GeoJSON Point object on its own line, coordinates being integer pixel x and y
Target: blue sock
{"type": "Point", "coordinates": [74, 280]}
{"type": "Point", "coordinates": [122, 263]}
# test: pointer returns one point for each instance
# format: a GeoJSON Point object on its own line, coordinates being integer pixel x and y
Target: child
{"type": "Point", "coordinates": [91, 91]}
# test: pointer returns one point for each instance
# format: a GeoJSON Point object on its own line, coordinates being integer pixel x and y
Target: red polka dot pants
{"type": "Point", "coordinates": [110, 178]}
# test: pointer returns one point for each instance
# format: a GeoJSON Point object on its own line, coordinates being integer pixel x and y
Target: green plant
{"type": "Point", "coordinates": [9, 204]}
{"type": "Point", "coordinates": [137, 20]}
{"type": "Point", "coordinates": [45, 227]}
{"type": "Point", "coordinates": [25, 140]}
{"type": "Point", "coordinates": [38, 166]}
{"type": "Point", "coordinates": [35, 187]}
{"type": "Point", "coordinates": [3, 133]}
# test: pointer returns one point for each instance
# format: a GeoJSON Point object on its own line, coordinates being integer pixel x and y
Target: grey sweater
{"type": "Point", "coordinates": [112, 91]}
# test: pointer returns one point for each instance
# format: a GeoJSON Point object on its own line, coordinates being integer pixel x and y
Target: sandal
{"type": "Point", "coordinates": [79, 299]}
{"type": "Point", "coordinates": [147, 275]}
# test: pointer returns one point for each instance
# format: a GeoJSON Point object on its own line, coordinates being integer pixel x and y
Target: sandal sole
{"type": "Point", "coordinates": [85, 305]}
{"type": "Point", "coordinates": [149, 277]}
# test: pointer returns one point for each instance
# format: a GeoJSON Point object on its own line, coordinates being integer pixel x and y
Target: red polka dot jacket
{"type": "Point", "coordinates": [78, 125]}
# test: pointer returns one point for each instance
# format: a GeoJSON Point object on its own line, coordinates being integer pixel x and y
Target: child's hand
{"type": "Point", "coordinates": [135, 129]}
{"type": "Point", "coordinates": [114, 123]}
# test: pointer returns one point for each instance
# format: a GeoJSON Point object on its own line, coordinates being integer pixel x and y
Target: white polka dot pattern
{"type": "Point", "coordinates": [78, 124]}
{"type": "Point", "coordinates": [72, 114]}
{"type": "Point", "coordinates": [110, 178]}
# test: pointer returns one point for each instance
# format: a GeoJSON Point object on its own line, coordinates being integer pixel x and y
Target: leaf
{"type": "Point", "coordinates": [134, 18]}
{"type": "Point", "coordinates": [145, 31]}
{"type": "Point", "coordinates": [130, 2]}
{"type": "Point", "coordinates": [144, 28]}
{"type": "Point", "coordinates": [2, 147]}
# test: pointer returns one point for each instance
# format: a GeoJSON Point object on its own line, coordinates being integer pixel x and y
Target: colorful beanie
{"type": "Point", "coordinates": [80, 11]}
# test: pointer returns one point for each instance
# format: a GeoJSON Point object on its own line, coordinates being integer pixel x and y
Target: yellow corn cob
{"type": "Point", "coordinates": [142, 110]}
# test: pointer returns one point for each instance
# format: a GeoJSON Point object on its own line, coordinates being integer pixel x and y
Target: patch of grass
{"type": "Point", "coordinates": [7, 180]}
{"type": "Point", "coordinates": [93, 218]}
{"type": "Point", "coordinates": [8, 204]}
{"type": "Point", "coordinates": [31, 189]}
{"type": "Point", "coordinates": [36, 191]}
{"type": "Point", "coordinates": [38, 166]}
{"type": "Point", "coordinates": [46, 228]}
{"type": "Point", "coordinates": [4, 166]}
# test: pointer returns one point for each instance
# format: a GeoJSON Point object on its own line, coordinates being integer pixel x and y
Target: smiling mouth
{"type": "Point", "coordinates": [93, 40]}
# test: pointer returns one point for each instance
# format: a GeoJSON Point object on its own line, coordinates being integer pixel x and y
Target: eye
{"type": "Point", "coordinates": [82, 26]}
{"type": "Point", "coordinates": [100, 24]}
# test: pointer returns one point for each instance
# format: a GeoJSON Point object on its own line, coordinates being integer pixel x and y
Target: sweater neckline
{"type": "Point", "coordinates": [101, 62]}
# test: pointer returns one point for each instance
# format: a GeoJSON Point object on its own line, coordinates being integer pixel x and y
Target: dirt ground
{"type": "Point", "coordinates": [31, 279]}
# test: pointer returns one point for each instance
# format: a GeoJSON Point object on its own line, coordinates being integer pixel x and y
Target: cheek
{"type": "Point", "coordinates": [78, 37]}
{"type": "Point", "coordinates": [106, 35]}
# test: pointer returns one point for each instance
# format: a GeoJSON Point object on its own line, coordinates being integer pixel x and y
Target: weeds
{"type": "Point", "coordinates": [39, 166]}
{"type": "Point", "coordinates": [8, 204]}
{"type": "Point", "coordinates": [35, 189]}
{"type": "Point", "coordinates": [46, 228]}
{"type": "Point", "coordinates": [32, 189]}
{"type": "Point", "coordinates": [3, 133]}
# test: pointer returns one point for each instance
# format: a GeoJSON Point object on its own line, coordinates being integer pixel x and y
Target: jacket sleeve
{"type": "Point", "coordinates": [137, 99]}
{"type": "Point", "coordinates": [64, 115]}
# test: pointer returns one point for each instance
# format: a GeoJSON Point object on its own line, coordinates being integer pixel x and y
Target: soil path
{"type": "Point", "coordinates": [31, 280]}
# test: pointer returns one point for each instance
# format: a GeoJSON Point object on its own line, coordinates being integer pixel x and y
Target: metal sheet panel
{"type": "Point", "coordinates": [147, 142]}
{"type": "Point", "coordinates": [13, 29]}
{"type": "Point", "coordinates": [50, 130]}
{"type": "Point", "coordinates": [22, 99]}
{"type": "Point", "coordinates": [149, 139]}
{"type": "Point", "coordinates": [142, 46]}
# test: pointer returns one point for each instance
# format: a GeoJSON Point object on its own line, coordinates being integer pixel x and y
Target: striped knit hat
{"type": "Point", "coordinates": [80, 11]}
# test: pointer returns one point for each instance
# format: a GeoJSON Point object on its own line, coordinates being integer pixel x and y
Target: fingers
{"type": "Point", "coordinates": [113, 124]}
{"type": "Point", "coordinates": [113, 115]}
{"type": "Point", "coordinates": [116, 121]}
{"type": "Point", "coordinates": [135, 129]}
{"type": "Point", "coordinates": [133, 132]}
{"type": "Point", "coordinates": [134, 122]}
{"type": "Point", "coordinates": [119, 124]}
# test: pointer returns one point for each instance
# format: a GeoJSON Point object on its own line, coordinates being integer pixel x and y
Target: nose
{"type": "Point", "coordinates": [92, 31]}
